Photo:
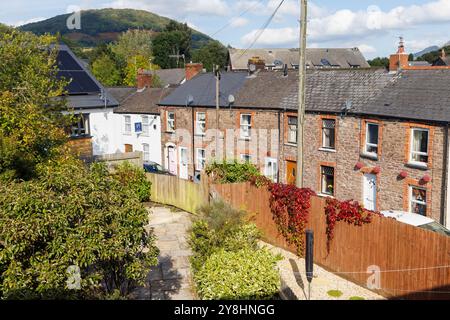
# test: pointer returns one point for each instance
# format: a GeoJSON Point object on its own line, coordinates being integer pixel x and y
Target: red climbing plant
{"type": "Point", "coordinates": [290, 206]}
{"type": "Point", "coordinates": [349, 211]}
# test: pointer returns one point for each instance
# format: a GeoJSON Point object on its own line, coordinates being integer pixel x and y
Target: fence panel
{"type": "Point", "coordinates": [413, 262]}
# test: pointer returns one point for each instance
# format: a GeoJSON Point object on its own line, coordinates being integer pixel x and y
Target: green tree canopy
{"type": "Point", "coordinates": [31, 124]}
{"type": "Point", "coordinates": [379, 62]}
{"type": "Point", "coordinates": [106, 71]}
{"type": "Point", "coordinates": [133, 43]}
{"type": "Point", "coordinates": [214, 53]}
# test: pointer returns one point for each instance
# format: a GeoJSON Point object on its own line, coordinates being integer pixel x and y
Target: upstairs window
{"type": "Point", "coordinates": [418, 200]}
{"type": "Point", "coordinates": [371, 147]}
{"type": "Point", "coordinates": [329, 134]}
{"type": "Point", "coordinates": [145, 126]}
{"type": "Point", "coordinates": [246, 125]}
{"type": "Point", "coordinates": [81, 127]}
{"type": "Point", "coordinates": [419, 146]}
{"type": "Point", "coordinates": [170, 125]}
{"type": "Point", "coordinates": [127, 128]}
{"type": "Point", "coordinates": [200, 123]}
{"type": "Point", "coordinates": [327, 180]}
{"type": "Point", "coordinates": [292, 129]}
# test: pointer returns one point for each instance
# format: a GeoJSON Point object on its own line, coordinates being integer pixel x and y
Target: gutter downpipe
{"type": "Point", "coordinates": [446, 200]}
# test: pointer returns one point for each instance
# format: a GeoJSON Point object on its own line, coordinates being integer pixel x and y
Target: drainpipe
{"type": "Point", "coordinates": [279, 147]}
{"type": "Point", "coordinates": [445, 199]}
{"type": "Point", "coordinates": [193, 143]}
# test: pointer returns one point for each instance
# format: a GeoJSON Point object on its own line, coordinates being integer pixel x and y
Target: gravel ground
{"type": "Point", "coordinates": [295, 285]}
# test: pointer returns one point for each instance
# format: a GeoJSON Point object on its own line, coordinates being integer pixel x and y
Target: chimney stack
{"type": "Point", "coordinates": [193, 69]}
{"type": "Point", "coordinates": [443, 55]}
{"type": "Point", "coordinates": [144, 79]}
{"type": "Point", "coordinates": [399, 60]}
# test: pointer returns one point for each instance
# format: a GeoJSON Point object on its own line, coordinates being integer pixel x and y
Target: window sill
{"type": "Point", "coordinates": [369, 156]}
{"type": "Point", "coordinates": [324, 195]}
{"type": "Point", "coordinates": [200, 134]}
{"type": "Point", "coordinates": [127, 133]}
{"type": "Point", "coordinates": [327, 150]}
{"type": "Point", "coordinates": [244, 139]}
{"type": "Point", "coordinates": [417, 165]}
{"type": "Point", "coordinates": [170, 132]}
{"type": "Point", "coordinates": [84, 136]}
{"type": "Point", "coordinates": [290, 144]}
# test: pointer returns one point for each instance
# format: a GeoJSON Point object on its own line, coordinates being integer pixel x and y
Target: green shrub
{"type": "Point", "coordinates": [335, 293]}
{"type": "Point", "coordinates": [238, 275]}
{"type": "Point", "coordinates": [134, 178]}
{"type": "Point", "coordinates": [232, 172]}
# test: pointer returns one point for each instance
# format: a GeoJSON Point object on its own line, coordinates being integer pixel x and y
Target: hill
{"type": "Point", "coordinates": [105, 25]}
{"type": "Point", "coordinates": [425, 51]}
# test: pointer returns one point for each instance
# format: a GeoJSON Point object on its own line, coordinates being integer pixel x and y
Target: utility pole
{"type": "Point", "coordinates": [217, 72]}
{"type": "Point", "coordinates": [301, 93]}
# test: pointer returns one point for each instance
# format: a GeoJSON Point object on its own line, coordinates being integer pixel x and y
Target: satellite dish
{"type": "Point", "coordinates": [252, 67]}
{"type": "Point", "coordinates": [278, 63]}
{"type": "Point", "coordinates": [231, 99]}
{"type": "Point", "coordinates": [189, 100]}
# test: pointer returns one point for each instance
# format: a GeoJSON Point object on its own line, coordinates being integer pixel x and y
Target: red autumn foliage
{"type": "Point", "coordinates": [290, 207]}
{"type": "Point", "coordinates": [349, 211]}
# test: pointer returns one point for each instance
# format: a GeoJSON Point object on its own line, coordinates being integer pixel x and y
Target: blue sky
{"type": "Point", "coordinates": [373, 26]}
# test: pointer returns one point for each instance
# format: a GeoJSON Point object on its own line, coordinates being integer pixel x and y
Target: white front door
{"type": "Point", "coordinates": [172, 160]}
{"type": "Point", "coordinates": [370, 191]}
{"type": "Point", "coordinates": [183, 163]}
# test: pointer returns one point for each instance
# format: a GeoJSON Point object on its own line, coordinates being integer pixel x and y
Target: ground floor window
{"type": "Point", "coordinates": [246, 158]}
{"type": "Point", "coordinates": [81, 127]}
{"type": "Point", "coordinates": [327, 180]}
{"type": "Point", "coordinates": [271, 169]}
{"type": "Point", "coordinates": [146, 149]}
{"type": "Point", "coordinates": [201, 159]}
{"type": "Point", "coordinates": [418, 200]}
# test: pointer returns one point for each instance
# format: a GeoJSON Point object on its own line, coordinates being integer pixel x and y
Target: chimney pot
{"type": "Point", "coordinates": [192, 69]}
{"type": "Point", "coordinates": [144, 79]}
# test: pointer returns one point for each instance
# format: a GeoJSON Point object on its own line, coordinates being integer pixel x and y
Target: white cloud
{"type": "Point", "coordinates": [22, 22]}
{"type": "Point", "coordinates": [238, 22]}
{"type": "Point", "coordinates": [366, 49]}
{"type": "Point", "coordinates": [175, 8]}
{"type": "Point", "coordinates": [271, 37]}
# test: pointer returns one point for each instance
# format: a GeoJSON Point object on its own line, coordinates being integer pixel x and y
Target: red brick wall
{"type": "Point", "coordinates": [192, 69]}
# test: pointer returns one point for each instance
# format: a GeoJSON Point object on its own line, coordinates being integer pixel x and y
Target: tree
{"type": "Point", "coordinates": [71, 217]}
{"type": "Point", "coordinates": [134, 64]}
{"type": "Point", "coordinates": [174, 40]}
{"type": "Point", "coordinates": [411, 57]}
{"type": "Point", "coordinates": [214, 53]}
{"type": "Point", "coordinates": [379, 62]}
{"type": "Point", "coordinates": [106, 71]}
{"type": "Point", "coordinates": [133, 43]}
{"type": "Point", "coordinates": [31, 124]}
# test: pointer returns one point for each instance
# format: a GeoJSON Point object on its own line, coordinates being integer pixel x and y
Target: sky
{"type": "Point", "coordinates": [373, 26]}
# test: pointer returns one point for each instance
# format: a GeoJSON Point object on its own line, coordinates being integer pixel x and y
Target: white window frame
{"type": "Point", "coordinates": [322, 182]}
{"type": "Point", "coordinates": [411, 198]}
{"type": "Point", "coordinates": [274, 174]}
{"type": "Point", "coordinates": [170, 121]}
{"type": "Point", "coordinates": [146, 153]}
{"type": "Point", "coordinates": [81, 127]}
{"type": "Point", "coordinates": [289, 130]}
{"type": "Point", "coordinates": [200, 162]}
{"type": "Point", "coordinates": [249, 126]}
{"type": "Point", "coordinates": [411, 146]}
{"type": "Point", "coordinates": [323, 134]}
{"type": "Point", "coordinates": [199, 122]}
{"type": "Point", "coordinates": [368, 144]}
{"type": "Point", "coordinates": [245, 155]}
{"type": "Point", "coordinates": [145, 125]}
{"type": "Point", "coordinates": [127, 124]}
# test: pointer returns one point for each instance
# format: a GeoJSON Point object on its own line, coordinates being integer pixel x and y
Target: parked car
{"type": "Point", "coordinates": [153, 167]}
{"type": "Point", "coordinates": [417, 220]}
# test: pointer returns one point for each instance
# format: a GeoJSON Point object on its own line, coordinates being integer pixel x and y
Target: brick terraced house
{"type": "Point", "coordinates": [370, 135]}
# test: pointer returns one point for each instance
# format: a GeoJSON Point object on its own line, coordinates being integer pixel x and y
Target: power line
{"type": "Point", "coordinates": [231, 20]}
{"type": "Point", "coordinates": [262, 29]}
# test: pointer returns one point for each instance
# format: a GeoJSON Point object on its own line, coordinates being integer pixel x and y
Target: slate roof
{"type": "Point", "coordinates": [202, 88]}
{"type": "Point", "coordinates": [326, 90]}
{"type": "Point", "coordinates": [139, 102]}
{"type": "Point", "coordinates": [315, 57]}
{"type": "Point", "coordinates": [171, 77]}
{"type": "Point", "coordinates": [415, 94]}
{"type": "Point", "coordinates": [84, 90]}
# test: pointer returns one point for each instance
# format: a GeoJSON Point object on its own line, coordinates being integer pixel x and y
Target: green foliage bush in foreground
{"type": "Point", "coordinates": [226, 261]}
{"type": "Point", "coordinates": [71, 215]}
{"type": "Point", "coordinates": [232, 172]}
{"type": "Point", "coordinates": [134, 178]}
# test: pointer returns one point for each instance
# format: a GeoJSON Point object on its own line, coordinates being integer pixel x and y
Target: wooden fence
{"type": "Point", "coordinates": [183, 194]}
{"type": "Point", "coordinates": [414, 263]}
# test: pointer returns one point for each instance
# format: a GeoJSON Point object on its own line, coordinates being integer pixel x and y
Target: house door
{"type": "Point", "coordinates": [183, 163]}
{"type": "Point", "coordinates": [370, 191]}
{"type": "Point", "coordinates": [291, 172]}
{"type": "Point", "coordinates": [172, 159]}
{"type": "Point", "coordinates": [128, 148]}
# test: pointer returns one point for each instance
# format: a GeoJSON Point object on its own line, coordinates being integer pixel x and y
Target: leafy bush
{"type": "Point", "coordinates": [335, 293]}
{"type": "Point", "coordinates": [221, 235]}
{"type": "Point", "coordinates": [134, 178]}
{"type": "Point", "coordinates": [71, 215]}
{"type": "Point", "coordinates": [238, 275]}
{"type": "Point", "coordinates": [232, 172]}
